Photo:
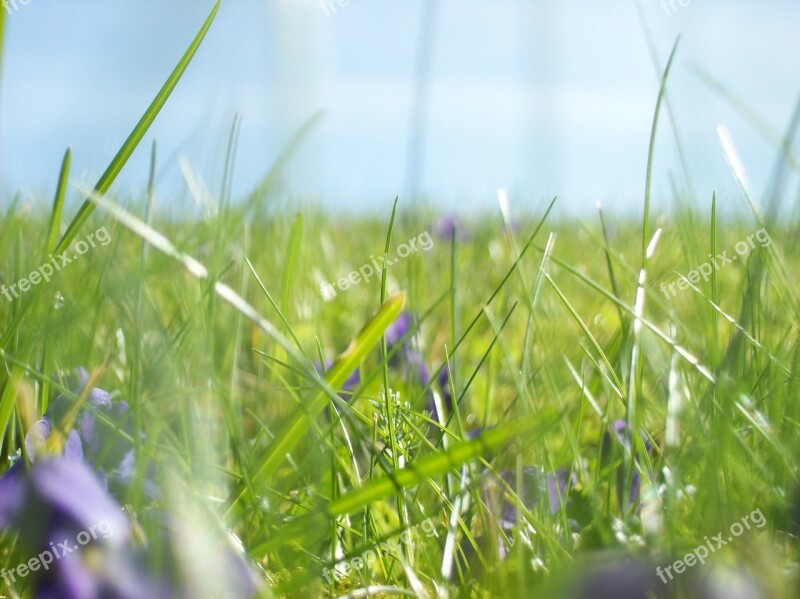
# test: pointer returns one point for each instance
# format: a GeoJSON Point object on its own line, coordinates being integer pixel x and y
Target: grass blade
{"type": "Point", "coordinates": [125, 152]}
{"type": "Point", "coordinates": [58, 203]}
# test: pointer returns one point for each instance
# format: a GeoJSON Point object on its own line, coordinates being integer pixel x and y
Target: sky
{"type": "Point", "coordinates": [441, 102]}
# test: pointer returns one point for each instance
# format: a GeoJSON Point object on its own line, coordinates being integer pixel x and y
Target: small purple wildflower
{"type": "Point", "coordinates": [395, 333]}
{"type": "Point", "coordinates": [533, 485]}
{"type": "Point", "coordinates": [415, 369]}
{"type": "Point", "coordinates": [449, 224]}
{"type": "Point", "coordinates": [55, 506]}
{"type": "Point", "coordinates": [559, 484]}
{"type": "Point", "coordinates": [101, 435]}
{"type": "Point", "coordinates": [350, 385]}
{"type": "Point", "coordinates": [622, 436]}
{"type": "Point", "coordinates": [443, 380]}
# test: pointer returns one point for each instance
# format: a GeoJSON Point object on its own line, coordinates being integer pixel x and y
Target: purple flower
{"type": "Point", "coordinates": [62, 515]}
{"type": "Point", "coordinates": [353, 381]}
{"type": "Point", "coordinates": [477, 432]}
{"type": "Point", "coordinates": [532, 487]}
{"type": "Point", "coordinates": [622, 439]}
{"type": "Point", "coordinates": [58, 493]}
{"type": "Point", "coordinates": [102, 443]}
{"type": "Point", "coordinates": [64, 518]}
{"type": "Point", "coordinates": [38, 434]}
{"type": "Point", "coordinates": [13, 488]}
{"type": "Point", "coordinates": [500, 496]}
{"type": "Point", "coordinates": [443, 380]}
{"type": "Point", "coordinates": [623, 436]}
{"type": "Point", "coordinates": [404, 354]}
{"type": "Point", "coordinates": [100, 435]}
{"type": "Point", "coordinates": [529, 489]}
{"type": "Point", "coordinates": [401, 344]}
{"type": "Point", "coordinates": [559, 484]}
{"type": "Point", "coordinates": [415, 370]}
{"type": "Point", "coordinates": [112, 574]}
{"type": "Point", "coordinates": [76, 379]}
{"type": "Point", "coordinates": [350, 385]}
{"type": "Point", "coordinates": [399, 331]}
{"type": "Point", "coordinates": [447, 225]}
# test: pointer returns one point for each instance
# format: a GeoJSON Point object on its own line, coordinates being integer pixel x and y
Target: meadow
{"type": "Point", "coordinates": [519, 405]}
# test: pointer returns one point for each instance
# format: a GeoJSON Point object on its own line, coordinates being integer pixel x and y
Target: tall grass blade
{"type": "Point", "coordinates": [125, 152]}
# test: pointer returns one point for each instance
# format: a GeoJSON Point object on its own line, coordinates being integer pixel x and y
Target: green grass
{"type": "Point", "coordinates": [217, 394]}
{"type": "Point", "coordinates": [551, 330]}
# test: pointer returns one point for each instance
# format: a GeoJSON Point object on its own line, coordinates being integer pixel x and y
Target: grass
{"type": "Point", "coordinates": [551, 330]}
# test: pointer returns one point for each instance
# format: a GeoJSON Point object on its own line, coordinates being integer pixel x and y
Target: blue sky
{"type": "Point", "coordinates": [542, 97]}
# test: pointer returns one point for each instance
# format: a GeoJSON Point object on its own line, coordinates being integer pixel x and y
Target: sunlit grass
{"type": "Point", "coordinates": [551, 334]}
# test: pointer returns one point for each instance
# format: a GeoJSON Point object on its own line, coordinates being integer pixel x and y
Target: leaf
{"type": "Point", "coordinates": [58, 204]}
{"type": "Point", "coordinates": [125, 152]}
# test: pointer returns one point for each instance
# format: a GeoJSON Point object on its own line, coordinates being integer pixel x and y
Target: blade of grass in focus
{"type": "Point", "coordinates": [127, 149]}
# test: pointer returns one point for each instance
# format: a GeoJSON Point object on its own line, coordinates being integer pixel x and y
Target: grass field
{"type": "Point", "coordinates": [519, 406]}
